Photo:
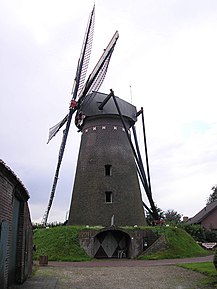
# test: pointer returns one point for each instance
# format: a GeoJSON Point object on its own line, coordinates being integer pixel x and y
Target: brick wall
{"type": "Point", "coordinates": [139, 240]}
{"type": "Point", "coordinates": [104, 142]}
{"type": "Point", "coordinates": [11, 189]}
{"type": "Point", "coordinates": [6, 193]}
{"type": "Point", "coordinates": [210, 222]}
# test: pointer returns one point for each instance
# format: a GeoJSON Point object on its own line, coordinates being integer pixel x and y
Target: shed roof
{"type": "Point", "coordinates": [4, 168]}
{"type": "Point", "coordinates": [201, 215]}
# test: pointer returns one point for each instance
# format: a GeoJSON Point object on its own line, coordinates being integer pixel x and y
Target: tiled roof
{"type": "Point", "coordinates": [203, 213]}
{"type": "Point", "coordinates": [3, 164]}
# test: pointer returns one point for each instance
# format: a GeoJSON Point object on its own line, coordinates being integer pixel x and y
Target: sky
{"type": "Point", "coordinates": [165, 61]}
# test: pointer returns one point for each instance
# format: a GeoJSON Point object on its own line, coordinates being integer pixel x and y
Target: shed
{"type": "Point", "coordinates": [15, 229]}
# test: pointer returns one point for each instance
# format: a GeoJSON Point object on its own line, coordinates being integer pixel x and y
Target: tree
{"type": "Point", "coordinates": [171, 216]}
{"type": "Point", "coordinates": [213, 196]}
{"type": "Point", "coordinates": [149, 217]}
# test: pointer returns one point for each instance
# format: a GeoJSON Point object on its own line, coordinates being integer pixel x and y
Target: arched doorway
{"type": "Point", "coordinates": [111, 244]}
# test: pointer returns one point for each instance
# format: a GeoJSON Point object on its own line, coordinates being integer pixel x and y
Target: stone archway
{"type": "Point", "coordinates": [111, 244]}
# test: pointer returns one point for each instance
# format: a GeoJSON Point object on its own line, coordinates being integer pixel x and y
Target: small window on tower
{"type": "Point", "coordinates": [108, 197]}
{"type": "Point", "coordinates": [108, 170]}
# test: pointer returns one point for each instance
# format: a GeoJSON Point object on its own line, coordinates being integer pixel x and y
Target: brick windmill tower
{"type": "Point", "coordinates": [106, 189]}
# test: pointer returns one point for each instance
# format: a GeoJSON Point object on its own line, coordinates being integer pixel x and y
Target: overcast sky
{"type": "Point", "coordinates": [167, 53]}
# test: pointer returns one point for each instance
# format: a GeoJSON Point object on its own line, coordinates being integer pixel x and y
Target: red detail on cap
{"type": "Point", "coordinates": [73, 103]}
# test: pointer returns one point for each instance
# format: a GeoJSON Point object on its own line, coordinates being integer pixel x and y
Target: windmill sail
{"type": "Point", "coordinates": [54, 129]}
{"type": "Point", "coordinates": [93, 83]}
{"type": "Point", "coordinates": [96, 77]}
{"type": "Point", "coordinates": [82, 67]}
{"type": "Point", "coordinates": [98, 74]}
{"type": "Point", "coordinates": [101, 76]}
{"type": "Point", "coordinates": [83, 61]}
{"type": "Point", "coordinates": [80, 74]}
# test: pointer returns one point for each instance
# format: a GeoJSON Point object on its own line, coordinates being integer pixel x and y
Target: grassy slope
{"type": "Point", "coordinates": [180, 245]}
{"type": "Point", "coordinates": [60, 244]}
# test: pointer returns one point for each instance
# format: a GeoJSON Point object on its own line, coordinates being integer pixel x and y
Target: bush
{"type": "Point", "coordinates": [199, 233]}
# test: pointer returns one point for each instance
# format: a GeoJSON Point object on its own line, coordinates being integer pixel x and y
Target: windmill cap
{"type": "Point", "coordinates": [91, 103]}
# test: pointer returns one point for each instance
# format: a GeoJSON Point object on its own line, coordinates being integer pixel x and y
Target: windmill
{"type": "Point", "coordinates": [90, 107]}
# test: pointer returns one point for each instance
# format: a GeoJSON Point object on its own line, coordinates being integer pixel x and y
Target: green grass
{"type": "Point", "coordinates": [206, 268]}
{"type": "Point", "coordinates": [59, 243]}
{"type": "Point", "coordinates": [180, 245]}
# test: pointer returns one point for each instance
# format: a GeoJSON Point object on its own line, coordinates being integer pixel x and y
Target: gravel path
{"type": "Point", "coordinates": [162, 277]}
{"type": "Point", "coordinates": [130, 262]}
{"type": "Point", "coordinates": [117, 274]}
{"type": "Point", "coordinates": [126, 274]}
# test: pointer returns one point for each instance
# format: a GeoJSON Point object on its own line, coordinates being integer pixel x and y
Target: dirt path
{"type": "Point", "coordinates": [130, 262]}
{"type": "Point", "coordinates": [126, 274]}
{"type": "Point", "coordinates": [118, 274]}
{"type": "Point", "coordinates": [162, 277]}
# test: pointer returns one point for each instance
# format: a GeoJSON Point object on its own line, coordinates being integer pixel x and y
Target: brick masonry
{"type": "Point", "coordinates": [104, 142]}
{"type": "Point", "coordinates": [15, 229]}
{"type": "Point", "coordinates": [139, 240]}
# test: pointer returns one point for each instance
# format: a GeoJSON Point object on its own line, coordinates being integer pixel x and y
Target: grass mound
{"type": "Point", "coordinates": [59, 244]}
{"type": "Point", "coordinates": [179, 245]}
{"type": "Point", "coordinates": [62, 244]}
